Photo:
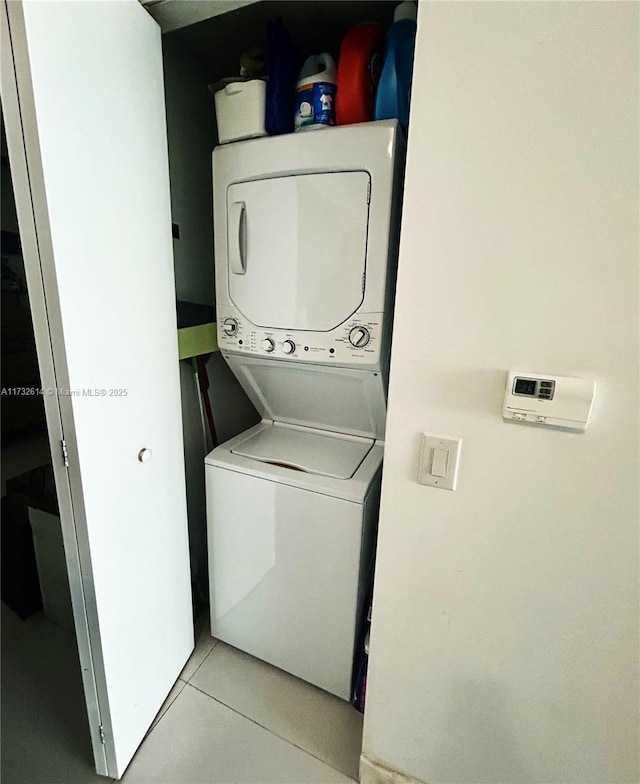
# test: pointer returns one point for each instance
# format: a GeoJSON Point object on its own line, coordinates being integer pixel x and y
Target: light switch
{"type": "Point", "coordinates": [439, 461]}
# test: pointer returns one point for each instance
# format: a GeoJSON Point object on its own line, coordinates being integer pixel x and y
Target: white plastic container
{"type": "Point", "coordinates": [52, 567]}
{"type": "Point", "coordinates": [240, 108]}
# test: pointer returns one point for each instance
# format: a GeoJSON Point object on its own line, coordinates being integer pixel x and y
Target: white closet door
{"type": "Point", "coordinates": [83, 101]}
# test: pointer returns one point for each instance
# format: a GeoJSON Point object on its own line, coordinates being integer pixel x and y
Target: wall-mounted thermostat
{"type": "Point", "coordinates": [558, 401]}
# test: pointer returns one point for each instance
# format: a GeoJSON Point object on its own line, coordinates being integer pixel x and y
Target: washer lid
{"type": "Point", "coordinates": [340, 400]}
{"type": "Point", "coordinates": [311, 451]}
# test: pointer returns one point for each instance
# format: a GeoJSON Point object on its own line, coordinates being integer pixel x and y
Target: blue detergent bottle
{"type": "Point", "coordinates": [394, 88]}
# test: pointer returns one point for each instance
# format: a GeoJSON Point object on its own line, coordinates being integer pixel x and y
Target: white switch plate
{"type": "Point", "coordinates": [431, 447]}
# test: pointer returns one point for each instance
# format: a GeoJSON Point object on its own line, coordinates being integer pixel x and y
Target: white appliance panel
{"type": "Point", "coordinates": [297, 249]}
{"type": "Point", "coordinates": [334, 399]}
{"type": "Point", "coordinates": [285, 567]}
{"type": "Point", "coordinates": [303, 449]}
{"type": "Point", "coordinates": [331, 348]}
{"type": "Point", "coordinates": [352, 301]}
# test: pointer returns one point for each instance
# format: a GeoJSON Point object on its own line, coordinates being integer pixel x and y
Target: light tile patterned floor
{"type": "Point", "coordinates": [311, 719]}
{"type": "Point", "coordinates": [229, 718]}
{"type": "Point", "coordinates": [45, 733]}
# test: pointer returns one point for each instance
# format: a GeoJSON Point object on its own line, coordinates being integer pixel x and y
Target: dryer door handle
{"type": "Point", "coordinates": [238, 238]}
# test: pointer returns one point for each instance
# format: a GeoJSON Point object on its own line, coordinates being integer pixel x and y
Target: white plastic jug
{"type": "Point", "coordinates": [316, 92]}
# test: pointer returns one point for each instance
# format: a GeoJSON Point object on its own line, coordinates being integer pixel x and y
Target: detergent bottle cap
{"type": "Point", "coordinates": [406, 10]}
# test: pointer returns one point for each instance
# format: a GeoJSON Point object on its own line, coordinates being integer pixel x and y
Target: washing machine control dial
{"type": "Point", "coordinates": [359, 337]}
{"type": "Point", "coordinates": [268, 345]}
{"type": "Point", "coordinates": [288, 346]}
{"type": "Point", "coordinates": [230, 326]}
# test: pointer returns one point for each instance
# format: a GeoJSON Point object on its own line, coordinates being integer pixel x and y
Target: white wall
{"type": "Point", "coordinates": [505, 635]}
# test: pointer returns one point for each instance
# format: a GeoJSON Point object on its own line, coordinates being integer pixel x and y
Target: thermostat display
{"type": "Point", "coordinates": [558, 401]}
{"type": "Point", "coordinates": [531, 387]}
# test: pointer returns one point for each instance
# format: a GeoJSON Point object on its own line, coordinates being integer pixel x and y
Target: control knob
{"type": "Point", "coordinates": [288, 346]}
{"type": "Point", "coordinates": [230, 326]}
{"type": "Point", "coordinates": [359, 337]}
{"type": "Point", "coordinates": [268, 345]}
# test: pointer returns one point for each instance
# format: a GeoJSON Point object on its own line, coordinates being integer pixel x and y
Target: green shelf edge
{"type": "Point", "coordinates": [194, 341]}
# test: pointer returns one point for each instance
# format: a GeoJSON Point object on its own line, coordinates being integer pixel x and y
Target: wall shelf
{"type": "Point", "coordinates": [194, 341]}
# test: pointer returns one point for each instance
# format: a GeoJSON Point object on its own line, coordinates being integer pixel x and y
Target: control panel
{"type": "Point", "coordinates": [356, 342]}
{"type": "Point", "coordinates": [558, 401]}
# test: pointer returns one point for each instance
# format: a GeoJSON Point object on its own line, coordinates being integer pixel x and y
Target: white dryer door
{"type": "Point", "coordinates": [297, 249]}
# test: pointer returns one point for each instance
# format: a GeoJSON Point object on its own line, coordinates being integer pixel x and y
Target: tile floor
{"type": "Point", "coordinates": [229, 718]}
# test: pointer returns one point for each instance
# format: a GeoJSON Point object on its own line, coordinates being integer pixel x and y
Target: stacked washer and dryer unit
{"type": "Point", "coordinates": [306, 229]}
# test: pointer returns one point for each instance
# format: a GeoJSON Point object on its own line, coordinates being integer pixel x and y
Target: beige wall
{"type": "Point", "coordinates": [505, 636]}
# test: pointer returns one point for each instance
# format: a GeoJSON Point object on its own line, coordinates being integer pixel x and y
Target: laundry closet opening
{"type": "Point", "coordinates": [292, 240]}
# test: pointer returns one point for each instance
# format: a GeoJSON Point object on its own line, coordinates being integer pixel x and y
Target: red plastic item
{"type": "Point", "coordinates": [359, 67]}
